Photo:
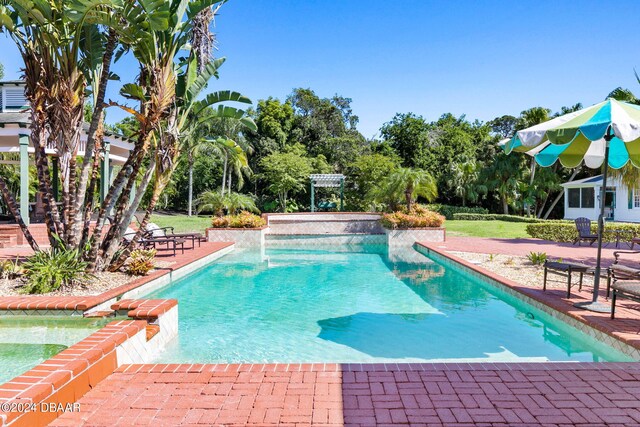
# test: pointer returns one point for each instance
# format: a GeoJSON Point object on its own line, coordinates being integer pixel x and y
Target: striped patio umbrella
{"type": "Point", "coordinates": [607, 133]}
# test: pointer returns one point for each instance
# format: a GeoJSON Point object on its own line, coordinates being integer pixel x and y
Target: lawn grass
{"type": "Point", "coordinates": [510, 230]}
{"type": "Point", "coordinates": [504, 229]}
{"type": "Point", "coordinates": [181, 222]}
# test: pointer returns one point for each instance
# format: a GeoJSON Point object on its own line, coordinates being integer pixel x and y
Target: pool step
{"type": "Point", "coordinates": [152, 330]}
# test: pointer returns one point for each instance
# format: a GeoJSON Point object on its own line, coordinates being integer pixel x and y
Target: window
{"type": "Point", "coordinates": [574, 197]}
{"type": "Point", "coordinates": [582, 197]}
{"type": "Point", "coordinates": [15, 98]}
{"type": "Point", "coordinates": [588, 199]}
{"type": "Point", "coordinates": [636, 198]}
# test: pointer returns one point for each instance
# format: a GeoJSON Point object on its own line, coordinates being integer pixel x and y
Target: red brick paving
{"type": "Point", "coordinates": [521, 247]}
{"type": "Point", "coordinates": [554, 394]}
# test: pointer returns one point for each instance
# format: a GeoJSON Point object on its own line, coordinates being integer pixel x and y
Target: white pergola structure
{"type": "Point", "coordinates": [14, 139]}
{"type": "Point", "coordinates": [325, 180]}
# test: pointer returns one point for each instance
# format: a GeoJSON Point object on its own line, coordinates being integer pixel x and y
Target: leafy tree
{"type": "Point", "coordinates": [287, 173]}
{"type": "Point", "coordinates": [364, 174]}
{"type": "Point", "coordinates": [504, 126]}
{"type": "Point", "coordinates": [409, 136]}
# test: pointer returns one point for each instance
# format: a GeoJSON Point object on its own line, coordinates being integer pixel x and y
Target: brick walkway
{"type": "Point", "coordinates": [587, 394]}
{"type": "Point", "coordinates": [522, 247]}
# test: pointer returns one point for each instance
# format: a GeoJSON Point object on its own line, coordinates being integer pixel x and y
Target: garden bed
{"type": "Point", "coordinates": [519, 269]}
{"type": "Point", "coordinates": [104, 281]}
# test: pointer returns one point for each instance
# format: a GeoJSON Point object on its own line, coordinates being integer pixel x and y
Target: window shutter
{"type": "Point", "coordinates": [630, 194]}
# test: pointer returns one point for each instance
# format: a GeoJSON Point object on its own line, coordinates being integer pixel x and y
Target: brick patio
{"type": "Point", "coordinates": [552, 394]}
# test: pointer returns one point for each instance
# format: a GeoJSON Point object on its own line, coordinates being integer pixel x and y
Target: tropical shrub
{"type": "Point", "coordinates": [448, 210]}
{"type": "Point", "coordinates": [48, 271]}
{"type": "Point", "coordinates": [418, 217]}
{"type": "Point", "coordinates": [140, 262]}
{"type": "Point", "coordinates": [565, 231]}
{"type": "Point", "coordinates": [405, 185]}
{"type": "Point", "coordinates": [537, 258]}
{"type": "Point", "coordinates": [10, 269]}
{"type": "Point", "coordinates": [495, 217]}
{"type": "Point", "coordinates": [242, 220]}
{"type": "Point", "coordinates": [231, 203]}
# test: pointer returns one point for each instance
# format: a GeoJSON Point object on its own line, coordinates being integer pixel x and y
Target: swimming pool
{"type": "Point", "coordinates": [26, 341]}
{"type": "Point", "coordinates": [353, 304]}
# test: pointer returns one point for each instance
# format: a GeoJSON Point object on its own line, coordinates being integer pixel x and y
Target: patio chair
{"type": "Point", "coordinates": [583, 225]}
{"type": "Point", "coordinates": [622, 269]}
{"type": "Point", "coordinates": [625, 289]}
{"type": "Point", "coordinates": [168, 232]}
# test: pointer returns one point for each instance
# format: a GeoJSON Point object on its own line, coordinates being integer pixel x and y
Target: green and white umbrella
{"type": "Point", "coordinates": [607, 133]}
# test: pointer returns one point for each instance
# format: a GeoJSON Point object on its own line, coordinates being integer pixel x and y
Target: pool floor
{"type": "Point", "coordinates": [26, 341]}
{"type": "Point", "coordinates": [358, 305]}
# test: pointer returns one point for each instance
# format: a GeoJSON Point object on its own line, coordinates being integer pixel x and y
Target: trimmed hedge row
{"type": "Point", "coordinates": [566, 231]}
{"type": "Point", "coordinates": [495, 217]}
{"type": "Point", "coordinates": [449, 211]}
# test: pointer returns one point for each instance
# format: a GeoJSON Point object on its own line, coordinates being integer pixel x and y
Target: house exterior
{"type": "Point", "coordinates": [16, 147]}
{"type": "Point", "coordinates": [582, 199]}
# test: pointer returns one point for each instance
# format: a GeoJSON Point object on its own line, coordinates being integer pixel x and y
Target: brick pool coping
{"type": "Point", "coordinates": [624, 328]}
{"type": "Point", "coordinates": [67, 376]}
{"type": "Point", "coordinates": [84, 303]}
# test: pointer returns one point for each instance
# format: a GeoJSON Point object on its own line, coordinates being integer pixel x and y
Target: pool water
{"type": "Point", "coordinates": [358, 304]}
{"type": "Point", "coordinates": [26, 341]}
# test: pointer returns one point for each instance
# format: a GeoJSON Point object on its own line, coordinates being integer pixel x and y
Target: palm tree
{"type": "Point", "coordinates": [407, 184]}
{"type": "Point", "coordinates": [213, 201]}
{"type": "Point", "coordinates": [463, 178]}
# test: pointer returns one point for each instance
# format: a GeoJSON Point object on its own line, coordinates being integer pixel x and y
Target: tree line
{"type": "Point", "coordinates": [307, 134]}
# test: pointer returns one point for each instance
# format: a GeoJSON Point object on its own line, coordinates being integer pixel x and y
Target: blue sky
{"type": "Point", "coordinates": [479, 58]}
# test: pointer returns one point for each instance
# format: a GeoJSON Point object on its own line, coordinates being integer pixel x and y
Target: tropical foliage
{"type": "Point", "coordinates": [68, 49]}
{"type": "Point", "coordinates": [417, 217]}
{"type": "Point", "coordinates": [242, 220]}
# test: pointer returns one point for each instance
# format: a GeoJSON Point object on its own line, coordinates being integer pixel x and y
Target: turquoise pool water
{"type": "Point", "coordinates": [26, 341]}
{"type": "Point", "coordinates": [359, 304]}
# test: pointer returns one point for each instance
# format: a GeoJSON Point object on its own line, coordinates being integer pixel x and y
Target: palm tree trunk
{"type": "Point", "coordinates": [10, 201]}
{"type": "Point", "coordinates": [224, 172]}
{"type": "Point", "coordinates": [190, 202]}
{"type": "Point", "coordinates": [121, 227]}
{"type": "Point", "coordinates": [559, 196]}
{"type": "Point", "coordinates": [229, 191]}
{"type": "Point", "coordinates": [407, 197]}
{"type": "Point", "coordinates": [505, 205]}
{"type": "Point", "coordinates": [94, 134]}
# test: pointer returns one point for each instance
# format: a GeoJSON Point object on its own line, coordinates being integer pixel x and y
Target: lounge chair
{"type": "Point", "coordinates": [149, 241]}
{"type": "Point", "coordinates": [168, 232]}
{"type": "Point", "coordinates": [621, 269]}
{"type": "Point", "coordinates": [583, 225]}
{"type": "Point", "coordinates": [626, 289]}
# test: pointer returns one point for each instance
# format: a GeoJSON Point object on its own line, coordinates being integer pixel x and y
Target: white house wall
{"type": "Point", "coordinates": [622, 212]}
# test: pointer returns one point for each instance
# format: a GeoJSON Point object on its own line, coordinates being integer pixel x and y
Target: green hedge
{"type": "Point", "coordinates": [566, 231]}
{"type": "Point", "coordinates": [495, 217]}
{"type": "Point", "coordinates": [449, 211]}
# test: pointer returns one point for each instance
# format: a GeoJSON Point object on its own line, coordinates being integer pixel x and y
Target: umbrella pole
{"type": "Point", "coordinates": [594, 304]}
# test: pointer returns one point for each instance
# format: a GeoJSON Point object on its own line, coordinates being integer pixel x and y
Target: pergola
{"type": "Point", "coordinates": [14, 139]}
{"type": "Point", "coordinates": [326, 181]}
